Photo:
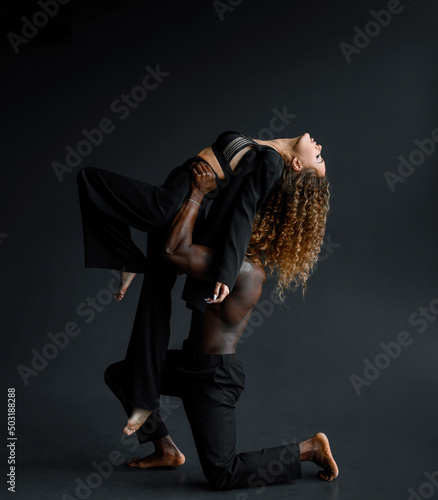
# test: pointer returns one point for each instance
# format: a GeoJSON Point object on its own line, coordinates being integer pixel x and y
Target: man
{"type": "Point", "coordinates": [209, 378]}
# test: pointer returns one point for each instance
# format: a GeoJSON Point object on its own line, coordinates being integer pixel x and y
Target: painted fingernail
{"type": "Point", "coordinates": [215, 296]}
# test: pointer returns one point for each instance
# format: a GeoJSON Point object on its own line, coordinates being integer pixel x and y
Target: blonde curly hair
{"type": "Point", "coordinates": [288, 231]}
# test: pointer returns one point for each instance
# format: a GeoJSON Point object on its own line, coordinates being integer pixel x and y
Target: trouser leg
{"type": "Point", "coordinates": [112, 203]}
{"type": "Point", "coordinates": [210, 388]}
{"type": "Point", "coordinates": [106, 232]}
{"type": "Point", "coordinates": [154, 428]}
{"type": "Point", "coordinates": [151, 330]}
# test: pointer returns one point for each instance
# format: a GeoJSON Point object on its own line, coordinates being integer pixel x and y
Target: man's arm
{"type": "Point", "coordinates": [197, 261]}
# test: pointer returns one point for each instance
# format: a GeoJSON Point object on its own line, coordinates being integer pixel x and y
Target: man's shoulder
{"type": "Point", "coordinates": [249, 284]}
{"type": "Point", "coordinates": [252, 271]}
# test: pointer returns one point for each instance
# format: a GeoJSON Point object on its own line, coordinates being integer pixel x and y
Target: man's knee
{"type": "Point", "coordinates": [219, 479]}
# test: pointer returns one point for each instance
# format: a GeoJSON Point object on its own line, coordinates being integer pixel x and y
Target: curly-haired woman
{"type": "Point", "coordinates": [288, 232]}
{"type": "Point", "coordinates": [271, 195]}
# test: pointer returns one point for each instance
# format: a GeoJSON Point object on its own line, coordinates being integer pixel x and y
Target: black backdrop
{"type": "Point", "coordinates": [366, 90]}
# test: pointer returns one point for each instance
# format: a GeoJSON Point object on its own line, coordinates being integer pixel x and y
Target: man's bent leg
{"type": "Point", "coordinates": [210, 388]}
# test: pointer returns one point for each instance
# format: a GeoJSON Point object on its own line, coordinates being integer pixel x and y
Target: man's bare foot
{"type": "Point", "coordinates": [317, 450]}
{"type": "Point", "coordinates": [125, 280]}
{"type": "Point", "coordinates": [166, 454]}
{"type": "Point", "coordinates": [136, 420]}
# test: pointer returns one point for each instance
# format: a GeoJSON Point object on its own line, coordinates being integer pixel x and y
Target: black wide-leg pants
{"type": "Point", "coordinates": [110, 205]}
{"type": "Point", "coordinates": [210, 386]}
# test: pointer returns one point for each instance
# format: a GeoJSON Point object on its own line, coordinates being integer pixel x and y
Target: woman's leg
{"type": "Point", "coordinates": [154, 430]}
{"type": "Point", "coordinates": [166, 452]}
{"type": "Point", "coordinates": [115, 380]}
{"type": "Point", "coordinates": [105, 225]}
{"type": "Point", "coordinates": [151, 330]}
{"type": "Point", "coordinates": [112, 203]}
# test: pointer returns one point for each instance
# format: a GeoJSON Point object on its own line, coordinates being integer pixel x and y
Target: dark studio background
{"type": "Point", "coordinates": [379, 270]}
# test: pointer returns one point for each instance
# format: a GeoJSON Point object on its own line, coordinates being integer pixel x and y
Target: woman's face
{"type": "Point", "coordinates": [307, 153]}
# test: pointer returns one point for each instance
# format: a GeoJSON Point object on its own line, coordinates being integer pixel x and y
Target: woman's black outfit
{"type": "Point", "coordinates": [112, 203]}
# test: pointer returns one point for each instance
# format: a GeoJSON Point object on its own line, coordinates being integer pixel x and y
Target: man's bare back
{"type": "Point", "coordinates": [218, 329]}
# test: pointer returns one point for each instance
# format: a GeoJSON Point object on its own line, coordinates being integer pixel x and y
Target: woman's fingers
{"type": "Point", "coordinates": [221, 291]}
{"type": "Point", "coordinates": [224, 291]}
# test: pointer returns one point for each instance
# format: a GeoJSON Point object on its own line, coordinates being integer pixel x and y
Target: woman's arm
{"type": "Point", "coordinates": [256, 189]}
{"type": "Point", "coordinates": [194, 260]}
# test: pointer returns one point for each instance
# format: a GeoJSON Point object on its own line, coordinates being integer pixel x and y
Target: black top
{"type": "Point", "coordinates": [228, 225]}
{"type": "Point", "coordinates": [227, 145]}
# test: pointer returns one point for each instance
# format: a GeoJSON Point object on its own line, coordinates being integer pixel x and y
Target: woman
{"type": "Point", "coordinates": [247, 171]}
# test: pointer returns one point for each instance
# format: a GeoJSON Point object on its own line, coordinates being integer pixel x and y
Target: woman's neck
{"type": "Point", "coordinates": [279, 145]}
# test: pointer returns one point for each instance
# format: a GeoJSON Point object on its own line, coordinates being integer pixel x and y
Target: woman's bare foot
{"type": "Point", "coordinates": [166, 454]}
{"type": "Point", "coordinates": [136, 420]}
{"type": "Point", "coordinates": [125, 280]}
{"type": "Point", "coordinates": [317, 450]}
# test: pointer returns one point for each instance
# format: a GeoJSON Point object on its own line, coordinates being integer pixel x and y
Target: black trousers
{"type": "Point", "coordinates": [210, 386]}
{"type": "Point", "coordinates": [111, 204]}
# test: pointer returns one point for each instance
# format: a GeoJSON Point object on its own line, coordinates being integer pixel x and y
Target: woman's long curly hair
{"type": "Point", "coordinates": [288, 231]}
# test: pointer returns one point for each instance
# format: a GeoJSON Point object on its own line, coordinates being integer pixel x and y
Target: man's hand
{"type": "Point", "coordinates": [221, 290]}
{"type": "Point", "coordinates": [203, 178]}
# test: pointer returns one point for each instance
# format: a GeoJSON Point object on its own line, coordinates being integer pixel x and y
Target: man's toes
{"type": "Point", "coordinates": [326, 476]}
{"type": "Point", "coordinates": [133, 461]}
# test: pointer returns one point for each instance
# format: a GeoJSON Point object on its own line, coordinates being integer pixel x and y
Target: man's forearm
{"type": "Point", "coordinates": [194, 260]}
{"type": "Point", "coordinates": [180, 234]}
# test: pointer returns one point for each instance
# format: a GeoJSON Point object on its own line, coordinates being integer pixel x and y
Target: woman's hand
{"type": "Point", "coordinates": [203, 178]}
{"type": "Point", "coordinates": [221, 290]}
